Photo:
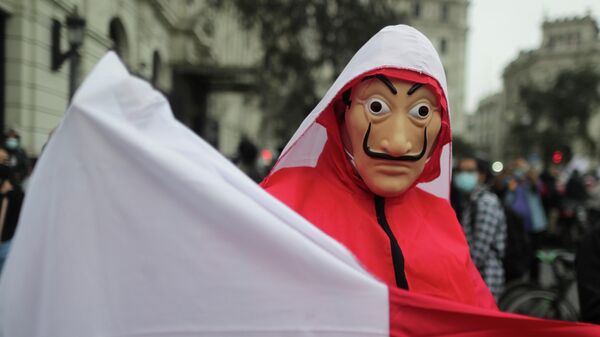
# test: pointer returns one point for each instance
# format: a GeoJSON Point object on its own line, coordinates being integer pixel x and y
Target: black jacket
{"type": "Point", "coordinates": [588, 276]}
{"type": "Point", "coordinates": [15, 200]}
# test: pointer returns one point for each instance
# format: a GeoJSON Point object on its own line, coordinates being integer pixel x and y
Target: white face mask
{"type": "Point", "coordinates": [11, 143]}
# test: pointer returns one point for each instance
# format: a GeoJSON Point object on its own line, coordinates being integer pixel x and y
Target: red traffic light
{"type": "Point", "coordinates": [557, 157]}
{"type": "Point", "coordinates": [267, 156]}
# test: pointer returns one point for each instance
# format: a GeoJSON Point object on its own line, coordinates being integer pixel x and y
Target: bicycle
{"type": "Point", "coordinates": [533, 299]}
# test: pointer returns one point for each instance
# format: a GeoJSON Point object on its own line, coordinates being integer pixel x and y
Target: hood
{"type": "Point", "coordinates": [398, 51]}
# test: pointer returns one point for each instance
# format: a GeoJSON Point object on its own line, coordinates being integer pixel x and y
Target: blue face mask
{"type": "Point", "coordinates": [519, 173]}
{"type": "Point", "coordinates": [465, 181]}
{"type": "Point", "coordinates": [11, 143]}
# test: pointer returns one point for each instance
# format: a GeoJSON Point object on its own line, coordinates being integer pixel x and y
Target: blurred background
{"type": "Point", "coordinates": [233, 70]}
{"type": "Point", "coordinates": [247, 70]}
{"type": "Point", "coordinates": [251, 70]}
{"type": "Point", "coordinates": [523, 81]}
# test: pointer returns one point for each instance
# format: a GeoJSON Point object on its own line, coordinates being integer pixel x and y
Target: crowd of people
{"type": "Point", "coordinates": [508, 217]}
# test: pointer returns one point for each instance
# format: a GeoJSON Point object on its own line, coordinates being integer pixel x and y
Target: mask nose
{"type": "Point", "coordinates": [395, 140]}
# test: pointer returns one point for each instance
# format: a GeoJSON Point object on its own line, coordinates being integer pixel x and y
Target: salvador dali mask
{"type": "Point", "coordinates": [390, 130]}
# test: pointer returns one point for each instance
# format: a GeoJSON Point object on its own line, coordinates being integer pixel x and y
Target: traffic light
{"type": "Point", "coordinates": [557, 157]}
{"type": "Point", "coordinates": [267, 156]}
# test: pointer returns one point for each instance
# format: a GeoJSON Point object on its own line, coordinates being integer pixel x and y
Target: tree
{"type": "Point", "coordinates": [556, 116]}
{"type": "Point", "coordinates": [306, 43]}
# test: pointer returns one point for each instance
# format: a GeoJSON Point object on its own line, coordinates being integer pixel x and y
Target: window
{"type": "Point", "coordinates": [417, 9]}
{"type": "Point", "coordinates": [444, 13]}
{"type": "Point", "coordinates": [118, 37]}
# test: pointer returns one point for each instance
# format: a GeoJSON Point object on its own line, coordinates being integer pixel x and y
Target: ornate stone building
{"type": "Point", "coordinates": [566, 44]}
{"type": "Point", "coordinates": [173, 44]}
{"type": "Point", "coordinates": [34, 96]}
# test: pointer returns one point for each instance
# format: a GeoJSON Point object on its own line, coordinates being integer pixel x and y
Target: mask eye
{"type": "Point", "coordinates": [376, 106]}
{"type": "Point", "coordinates": [420, 111]}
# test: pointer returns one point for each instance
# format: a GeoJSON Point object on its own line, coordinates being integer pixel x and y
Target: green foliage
{"type": "Point", "coordinates": [305, 43]}
{"type": "Point", "coordinates": [558, 115]}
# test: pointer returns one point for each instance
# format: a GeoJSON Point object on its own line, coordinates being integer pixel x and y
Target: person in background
{"type": "Point", "coordinates": [246, 159]}
{"type": "Point", "coordinates": [573, 220]}
{"type": "Point", "coordinates": [18, 159]}
{"type": "Point", "coordinates": [588, 276]}
{"type": "Point", "coordinates": [575, 189]}
{"type": "Point", "coordinates": [551, 197]}
{"type": "Point", "coordinates": [593, 201]}
{"type": "Point", "coordinates": [523, 198]}
{"type": "Point", "coordinates": [518, 247]}
{"type": "Point", "coordinates": [11, 199]}
{"type": "Point", "coordinates": [481, 214]}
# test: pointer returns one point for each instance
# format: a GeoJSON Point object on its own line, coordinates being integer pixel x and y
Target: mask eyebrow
{"type": "Point", "coordinates": [414, 88]}
{"type": "Point", "coordinates": [385, 81]}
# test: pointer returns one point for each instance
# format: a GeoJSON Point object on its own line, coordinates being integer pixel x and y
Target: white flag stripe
{"type": "Point", "coordinates": [133, 226]}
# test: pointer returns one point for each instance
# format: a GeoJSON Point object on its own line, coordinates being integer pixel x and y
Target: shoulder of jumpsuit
{"type": "Point", "coordinates": [301, 187]}
{"type": "Point", "coordinates": [434, 211]}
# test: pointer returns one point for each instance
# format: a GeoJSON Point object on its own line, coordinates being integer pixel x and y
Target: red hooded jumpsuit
{"type": "Point", "coordinates": [413, 241]}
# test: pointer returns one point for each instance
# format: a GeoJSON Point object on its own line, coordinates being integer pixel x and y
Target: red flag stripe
{"type": "Point", "coordinates": [416, 315]}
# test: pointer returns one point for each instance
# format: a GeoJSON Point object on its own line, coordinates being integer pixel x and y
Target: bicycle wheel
{"type": "Point", "coordinates": [513, 291]}
{"type": "Point", "coordinates": [543, 304]}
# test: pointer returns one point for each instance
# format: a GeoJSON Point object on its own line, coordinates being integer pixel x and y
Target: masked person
{"type": "Point", "coordinates": [11, 199]}
{"type": "Point", "coordinates": [356, 165]}
{"type": "Point", "coordinates": [481, 214]}
{"type": "Point", "coordinates": [18, 160]}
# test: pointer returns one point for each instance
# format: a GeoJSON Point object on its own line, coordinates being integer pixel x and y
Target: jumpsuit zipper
{"type": "Point", "coordinates": [397, 256]}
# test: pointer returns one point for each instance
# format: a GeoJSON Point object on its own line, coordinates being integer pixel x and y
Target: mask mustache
{"type": "Point", "coordinates": [385, 156]}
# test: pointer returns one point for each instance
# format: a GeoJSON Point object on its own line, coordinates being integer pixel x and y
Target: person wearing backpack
{"type": "Point", "coordinates": [481, 214]}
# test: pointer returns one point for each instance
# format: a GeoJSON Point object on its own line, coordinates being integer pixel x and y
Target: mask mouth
{"type": "Point", "coordinates": [385, 156]}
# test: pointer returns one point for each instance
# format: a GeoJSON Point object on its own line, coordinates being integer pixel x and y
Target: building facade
{"type": "Point", "coordinates": [567, 43]}
{"type": "Point", "coordinates": [199, 56]}
{"type": "Point", "coordinates": [172, 44]}
{"type": "Point", "coordinates": [487, 127]}
{"type": "Point", "coordinates": [34, 95]}
{"type": "Point", "coordinates": [445, 23]}
{"type": "Point", "coordinates": [216, 95]}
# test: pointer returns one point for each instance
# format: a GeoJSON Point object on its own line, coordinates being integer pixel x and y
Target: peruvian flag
{"type": "Point", "coordinates": [134, 226]}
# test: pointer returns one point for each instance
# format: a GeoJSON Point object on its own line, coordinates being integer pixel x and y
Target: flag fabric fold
{"type": "Point", "coordinates": [133, 226]}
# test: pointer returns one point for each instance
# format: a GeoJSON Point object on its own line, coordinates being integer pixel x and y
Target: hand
{"type": "Point", "coordinates": [512, 185]}
{"type": "Point", "coordinates": [6, 187]}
